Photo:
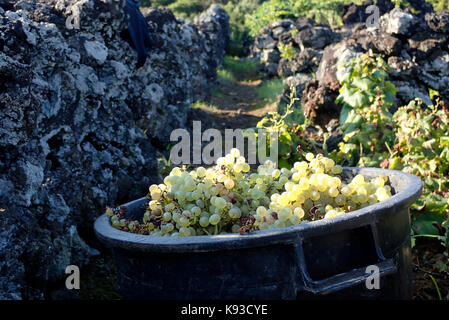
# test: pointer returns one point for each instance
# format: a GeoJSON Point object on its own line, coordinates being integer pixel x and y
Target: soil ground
{"type": "Point", "coordinates": [430, 262]}
{"type": "Point", "coordinates": [233, 106]}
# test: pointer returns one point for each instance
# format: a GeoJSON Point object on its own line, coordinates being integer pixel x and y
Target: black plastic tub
{"type": "Point", "coordinates": [321, 259]}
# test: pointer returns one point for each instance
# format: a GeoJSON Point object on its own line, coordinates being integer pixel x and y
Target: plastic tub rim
{"type": "Point", "coordinates": [131, 241]}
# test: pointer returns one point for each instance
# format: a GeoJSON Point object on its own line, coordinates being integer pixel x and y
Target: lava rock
{"type": "Point", "coordinates": [316, 37]}
{"type": "Point", "coordinates": [399, 22]}
{"type": "Point", "coordinates": [380, 42]}
{"type": "Point", "coordinates": [318, 101]}
{"type": "Point", "coordinates": [298, 81]}
{"type": "Point", "coordinates": [306, 60]}
{"type": "Point", "coordinates": [336, 55]}
{"type": "Point", "coordinates": [401, 68]}
{"type": "Point", "coordinates": [81, 124]}
{"type": "Point", "coordinates": [304, 23]}
{"type": "Point", "coordinates": [409, 90]}
{"type": "Point", "coordinates": [352, 13]}
{"type": "Point", "coordinates": [438, 21]}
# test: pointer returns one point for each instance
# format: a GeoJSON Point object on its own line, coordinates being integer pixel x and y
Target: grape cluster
{"type": "Point", "coordinates": [230, 198]}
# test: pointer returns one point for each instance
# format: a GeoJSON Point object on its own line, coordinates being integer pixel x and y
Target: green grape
{"type": "Point", "coordinates": [284, 214]}
{"type": "Point", "coordinates": [235, 213]}
{"type": "Point", "coordinates": [254, 204]}
{"type": "Point", "coordinates": [180, 195]}
{"type": "Point", "coordinates": [346, 191]}
{"type": "Point", "coordinates": [235, 228]}
{"type": "Point", "coordinates": [196, 211]}
{"type": "Point", "coordinates": [276, 173]}
{"type": "Point", "coordinates": [299, 212]}
{"type": "Point", "coordinates": [212, 200]}
{"type": "Point", "coordinates": [294, 219]}
{"type": "Point", "coordinates": [333, 192]}
{"type": "Point", "coordinates": [308, 204]}
{"type": "Point", "coordinates": [337, 169]}
{"type": "Point", "coordinates": [214, 219]}
{"type": "Point", "coordinates": [315, 195]}
{"type": "Point", "coordinates": [153, 204]}
{"type": "Point", "coordinates": [201, 172]}
{"type": "Point", "coordinates": [176, 216]}
{"type": "Point", "coordinates": [331, 214]}
{"type": "Point", "coordinates": [340, 200]}
{"type": "Point", "coordinates": [261, 211]}
{"type": "Point", "coordinates": [167, 216]}
{"type": "Point", "coordinates": [264, 226]}
{"type": "Point", "coordinates": [184, 222]}
{"type": "Point", "coordinates": [238, 167]}
{"type": "Point", "coordinates": [283, 200]}
{"type": "Point", "coordinates": [185, 232]}
{"type": "Point", "coordinates": [229, 183]}
{"type": "Point", "coordinates": [220, 203]}
{"type": "Point", "coordinates": [204, 221]}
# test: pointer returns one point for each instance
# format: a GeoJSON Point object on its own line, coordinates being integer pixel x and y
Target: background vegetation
{"type": "Point", "coordinates": [248, 16]}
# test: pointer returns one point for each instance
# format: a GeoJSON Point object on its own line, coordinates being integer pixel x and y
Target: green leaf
{"type": "Point", "coordinates": [363, 83]}
{"type": "Point", "coordinates": [263, 122]}
{"type": "Point", "coordinates": [436, 203]}
{"type": "Point", "coordinates": [390, 88]}
{"type": "Point", "coordinates": [344, 113]}
{"type": "Point", "coordinates": [380, 75]}
{"type": "Point", "coordinates": [284, 163]}
{"type": "Point", "coordinates": [445, 154]}
{"type": "Point", "coordinates": [353, 122]}
{"type": "Point", "coordinates": [358, 100]}
{"type": "Point", "coordinates": [444, 141]}
{"type": "Point", "coordinates": [285, 137]}
{"type": "Point", "coordinates": [345, 93]}
{"type": "Point", "coordinates": [431, 183]}
{"type": "Point", "coordinates": [395, 164]}
{"type": "Point", "coordinates": [423, 223]}
{"type": "Point", "coordinates": [346, 77]}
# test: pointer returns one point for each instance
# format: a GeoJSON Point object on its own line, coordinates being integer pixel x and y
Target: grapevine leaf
{"type": "Point", "coordinates": [358, 99]}
{"type": "Point", "coordinates": [436, 203]}
{"type": "Point", "coordinates": [423, 223]}
{"type": "Point", "coordinates": [395, 164]}
{"type": "Point", "coordinates": [344, 113]}
{"type": "Point", "coordinates": [363, 83]}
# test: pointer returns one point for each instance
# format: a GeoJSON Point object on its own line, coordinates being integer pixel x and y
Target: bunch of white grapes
{"type": "Point", "coordinates": [229, 198]}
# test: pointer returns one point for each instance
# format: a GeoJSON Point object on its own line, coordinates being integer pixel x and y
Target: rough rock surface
{"type": "Point", "coordinates": [80, 124]}
{"type": "Point", "coordinates": [398, 22]}
{"type": "Point", "coordinates": [438, 21]}
{"type": "Point", "coordinates": [352, 13]}
{"type": "Point", "coordinates": [316, 37]}
{"type": "Point", "coordinates": [305, 60]}
{"type": "Point", "coordinates": [415, 46]}
{"type": "Point", "coordinates": [307, 37]}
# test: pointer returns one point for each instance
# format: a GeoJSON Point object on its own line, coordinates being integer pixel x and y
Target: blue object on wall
{"type": "Point", "coordinates": [138, 31]}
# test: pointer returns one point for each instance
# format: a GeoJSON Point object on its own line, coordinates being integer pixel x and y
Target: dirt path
{"type": "Point", "coordinates": [231, 106]}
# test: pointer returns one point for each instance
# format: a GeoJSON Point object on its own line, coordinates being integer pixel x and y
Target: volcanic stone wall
{"type": "Point", "coordinates": [80, 124]}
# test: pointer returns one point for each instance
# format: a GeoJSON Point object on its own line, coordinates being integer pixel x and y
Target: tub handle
{"type": "Point", "coordinates": [342, 280]}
